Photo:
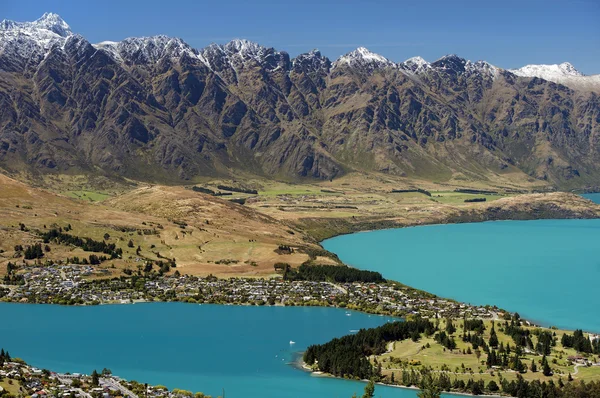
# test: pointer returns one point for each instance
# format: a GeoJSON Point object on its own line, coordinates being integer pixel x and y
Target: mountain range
{"type": "Point", "coordinates": [157, 109]}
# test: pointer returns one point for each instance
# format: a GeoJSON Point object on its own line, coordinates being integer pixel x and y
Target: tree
{"type": "Point", "coordinates": [369, 390]}
{"type": "Point", "coordinates": [450, 328]}
{"type": "Point", "coordinates": [545, 367]}
{"type": "Point", "coordinates": [429, 388]}
{"type": "Point", "coordinates": [492, 386]}
{"type": "Point", "coordinates": [95, 378]}
{"type": "Point", "coordinates": [493, 338]}
{"type": "Point", "coordinates": [106, 236]}
{"type": "Point", "coordinates": [130, 243]}
{"type": "Point", "coordinates": [533, 366]}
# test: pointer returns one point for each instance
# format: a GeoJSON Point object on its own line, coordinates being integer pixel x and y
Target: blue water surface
{"type": "Point", "coordinates": [547, 270]}
{"type": "Point", "coordinates": [594, 197]}
{"type": "Point", "coordinates": [244, 350]}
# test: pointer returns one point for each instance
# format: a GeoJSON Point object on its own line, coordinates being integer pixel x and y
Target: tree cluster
{"type": "Point", "coordinates": [236, 189]}
{"type": "Point", "coordinates": [433, 384]}
{"type": "Point", "coordinates": [332, 273]}
{"type": "Point", "coordinates": [580, 343]}
{"type": "Point", "coordinates": [34, 251]}
{"type": "Point", "coordinates": [87, 244]}
{"type": "Point", "coordinates": [445, 340]}
{"type": "Point", "coordinates": [4, 357]}
{"type": "Point", "coordinates": [347, 356]}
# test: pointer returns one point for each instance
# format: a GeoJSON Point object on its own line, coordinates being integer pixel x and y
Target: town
{"type": "Point", "coordinates": [21, 379]}
{"type": "Point", "coordinates": [78, 285]}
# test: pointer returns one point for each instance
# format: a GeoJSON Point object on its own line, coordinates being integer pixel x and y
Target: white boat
{"type": "Point", "coordinates": [292, 342]}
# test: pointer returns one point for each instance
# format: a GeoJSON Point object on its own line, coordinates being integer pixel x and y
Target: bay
{"type": "Point", "coordinates": [547, 270]}
{"type": "Point", "coordinates": [594, 197]}
{"type": "Point", "coordinates": [244, 350]}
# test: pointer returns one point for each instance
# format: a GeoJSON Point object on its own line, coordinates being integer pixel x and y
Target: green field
{"type": "Point", "coordinates": [407, 354]}
{"type": "Point", "coordinates": [454, 198]}
{"type": "Point", "coordinates": [11, 387]}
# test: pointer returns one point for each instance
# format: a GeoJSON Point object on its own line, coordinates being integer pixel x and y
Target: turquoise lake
{"type": "Point", "coordinates": [547, 270]}
{"type": "Point", "coordinates": [595, 197]}
{"type": "Point", "coordinates": [245, 350]}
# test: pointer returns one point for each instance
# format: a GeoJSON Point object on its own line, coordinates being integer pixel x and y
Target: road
{"type": "Point", "coordinates": [115, 385]}
{"type": "Point", "coordinates": [104, 381]}
{"type": "Point", "coordinates": [68, 379]}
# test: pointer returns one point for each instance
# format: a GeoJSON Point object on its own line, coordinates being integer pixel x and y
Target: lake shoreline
{"type": "Point", "coordinates": [320, 374]}
{"type": "Point", "coordinates": [532, 320]}
{"type": "Point", "coordinates": [304, 367]}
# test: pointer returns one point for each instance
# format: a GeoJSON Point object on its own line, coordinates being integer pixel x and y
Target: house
{"type": "Point", "coordinates": [577, 359]}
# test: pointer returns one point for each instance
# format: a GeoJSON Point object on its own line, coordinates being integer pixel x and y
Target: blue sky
{"type": "Point", "coordinates": [507, 33]}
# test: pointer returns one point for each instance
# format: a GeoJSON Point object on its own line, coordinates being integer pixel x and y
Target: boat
{"type": "Point", "coordinates": [292, 342]}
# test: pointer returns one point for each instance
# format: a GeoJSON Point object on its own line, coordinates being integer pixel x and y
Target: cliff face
{"type": "Point", "coordinates": [157, 109]}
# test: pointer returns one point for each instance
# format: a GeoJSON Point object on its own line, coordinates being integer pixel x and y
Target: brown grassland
{"type": "Point", "coordinates": [211, 235]}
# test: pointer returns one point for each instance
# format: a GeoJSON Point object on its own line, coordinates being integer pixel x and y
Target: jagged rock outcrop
{"type": "Point", "coordinates": [155, 108]}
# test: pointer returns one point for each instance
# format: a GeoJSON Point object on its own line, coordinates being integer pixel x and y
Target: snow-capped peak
{"type": "Point", "coordinates": [54, 23]}
{"type": "Point", "coordinates": [363, 58]}
{"type": "Point", "coordinates": [548, 72]}
{"type": "Point", "coordinates": [241, 53]}
{"type": "Point", "coordinates": [24, 44]}
{"type": "Point", "coordinates": [482, 67]}
{"type": "Point", "coordinates": [415, 65]}
{"type": "Point", "coordinates": [451, 63]}
{"type": "Point", "coordinates": [564, 74]}
{"type": "Point", "coordinates": [49, 21]}
{"type": "Point", "coordinates": [147, 50]}
{"type": "Point", "coordinates": [311, 61]}
{"type": "Point", "coordinates": [244, 47]}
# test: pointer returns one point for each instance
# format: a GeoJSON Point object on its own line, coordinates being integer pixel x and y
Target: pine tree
{"type": "Point", "coordinates": [533, 366]}
{"type": "Point", "coordinates": [95, 378]}
{"type": "Point", "coordinates": [492, 386]}
{"type": "Point", "coordinates": [429, 388]}
{"type": "Point", "coordinates": [369, 390]}
{"type": "Point", "coordinates": [450, 328]}
{"type": "Point", "coordinates": [493, 338]}
{"type": "Point", "coordinates": [545, 367]}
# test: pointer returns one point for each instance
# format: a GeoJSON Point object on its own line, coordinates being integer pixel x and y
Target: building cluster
{"type": "Point", "coordinates": [70, 284]}
{"type": "Point", "coordinates": [25, 380]}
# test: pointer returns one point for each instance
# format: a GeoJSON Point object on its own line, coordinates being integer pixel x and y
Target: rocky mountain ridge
{"type": "Point", "coordinates": [155, 108]}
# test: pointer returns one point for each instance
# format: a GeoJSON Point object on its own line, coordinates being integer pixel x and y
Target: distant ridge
{"type": "Point", "coordinates": [155, 108]}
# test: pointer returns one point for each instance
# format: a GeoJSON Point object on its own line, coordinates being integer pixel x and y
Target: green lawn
{"type": "Point", "coordinates": [11, 388]}
{"type": "Point", "coordinates": [436, 357]}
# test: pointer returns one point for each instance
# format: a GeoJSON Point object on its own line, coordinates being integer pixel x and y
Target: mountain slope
{"type": "Point", "coordinates": [154, 108]}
